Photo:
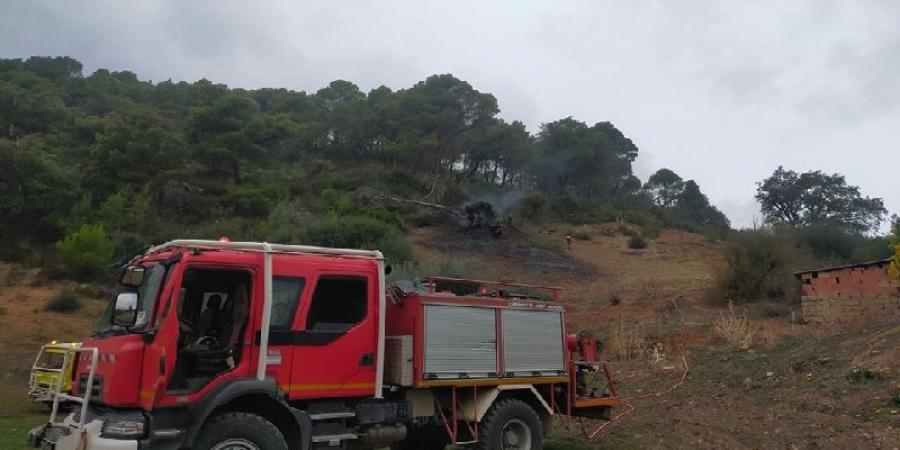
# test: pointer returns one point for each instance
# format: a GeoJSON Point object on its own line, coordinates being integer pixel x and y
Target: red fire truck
{"type": "Point", "coordinates": [247, 345]}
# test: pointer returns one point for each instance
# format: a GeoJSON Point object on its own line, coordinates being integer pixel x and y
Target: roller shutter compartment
{"type": "Point", "coordinates": [460, 342]}
{"type": "Point", "coordinates": [533, 343]}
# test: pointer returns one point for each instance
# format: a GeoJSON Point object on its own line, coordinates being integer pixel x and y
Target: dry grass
{"type": "Point", "coordinates": [736, 330]}
{"type": "Point", "coordinates": [629, 341]}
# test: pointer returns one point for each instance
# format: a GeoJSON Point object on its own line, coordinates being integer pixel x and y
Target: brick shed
{"type": "Point", "coordinates": [853, 293]}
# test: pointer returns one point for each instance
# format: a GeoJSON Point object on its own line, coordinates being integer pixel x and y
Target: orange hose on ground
{"type": "Point", "coordinates": [627, 402]}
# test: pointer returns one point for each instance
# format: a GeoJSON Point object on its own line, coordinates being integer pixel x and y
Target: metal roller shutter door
{"type": "Point", "coordinates": [533, 342]}
{"type": "Point", "coordinates": [460, 340]}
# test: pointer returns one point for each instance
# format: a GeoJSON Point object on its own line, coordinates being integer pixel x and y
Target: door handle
{"type": "Point", "coordinates": [367, 359]}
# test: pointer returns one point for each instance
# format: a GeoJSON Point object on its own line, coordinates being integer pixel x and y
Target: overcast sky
{"type": "Point", "coordinates": [719, 91]}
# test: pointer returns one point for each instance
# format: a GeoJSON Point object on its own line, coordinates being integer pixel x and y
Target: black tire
{"type": "Point", "coordinates": [424, 438]}
{"type": "Point", "coordinates": [243, 431]}
{"type": "Point", "coordinates": [510, 424]}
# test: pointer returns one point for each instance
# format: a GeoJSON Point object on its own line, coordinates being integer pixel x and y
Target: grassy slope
{"type": "Point", "coordinates": [24, 327]}
{"type": "Point", "coordinates": [806, 402]}
{"type": "Point", "coordinates": [789, 390]}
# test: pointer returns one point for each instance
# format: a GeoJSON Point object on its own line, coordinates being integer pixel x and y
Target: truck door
{"type": "Point", "coordinates": [335, 338]}
{"type": "Point", "coordinates": [159, 355]}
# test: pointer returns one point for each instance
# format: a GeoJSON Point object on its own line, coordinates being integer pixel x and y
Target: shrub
{"type": "Point", "coordinates": [452, 268]}
{"type": "Point", "coordinates": [16, 274]}
{"type": "Point", "coordinates": [581, 236]}
{"type": "Point", "coordinates": [64, 302]}
{"type": "Point", "coordinates": [534, 208]}
{"type": "Point", "coordinates": [894, 401]}
{"type": "Point", "coordinates": [285, 221]}
{"type": "Point", "coordinates": [637, 242]}
{"type": "Point", "coordinates": [86, 252]}
{"type": "Point", "coordinates": [358, 232]}
{"type": "Point", "coordinates": [614, 300]}
{"type": "Point", "coordinates": [760, 265]}
{"type": "Point", "coordinates": [832, 243]}
{"type": "Point", "coordinates": [735, 330]}
{"type": "Point", "coordinates": [895, 263]}
{"type": "Point", "coordinates": [859, 374]}
{"type": "Point", "coordinates": [625, 230]}
{"type": "Point", "coordinates": [895, 246]}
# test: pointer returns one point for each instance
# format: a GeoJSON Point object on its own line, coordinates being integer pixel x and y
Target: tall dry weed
{"type": "Point", "coordinates": [629, 341]}
{"type": "Point", "coordinates": [736, 330]}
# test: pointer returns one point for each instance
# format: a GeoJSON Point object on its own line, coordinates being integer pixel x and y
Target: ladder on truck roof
{"type": "Point", "coordinates": [267, 250]}
{"type": "Point", "coordinates": [265, 247]}
{"type": "Point", "coordinates": [499, 286]}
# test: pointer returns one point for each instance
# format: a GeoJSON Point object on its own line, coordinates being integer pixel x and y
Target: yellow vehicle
{"type": "Point", "coordinates": [48, 370]}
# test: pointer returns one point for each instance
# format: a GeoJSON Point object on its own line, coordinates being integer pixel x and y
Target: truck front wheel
{"type": "Point", "coordinates": [511, 425]}
{"type": "Point", "coordinates": [240, 431]}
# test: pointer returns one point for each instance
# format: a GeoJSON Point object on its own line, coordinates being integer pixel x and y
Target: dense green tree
{"type": "Point", "coordinates": [585, 161]}
{"type": "Point", "coordinates": [665, 186]}
{"type": "Point", "coordinates": [794, 199]}
{"type": "Point", "coordinates": [136, 146]}
{"type": "Point", "coordinates": [695, 206]}
{"type": "Point", "coordinates": [36, 193]}
{"type": "Point", "coordinates": [128, 155]}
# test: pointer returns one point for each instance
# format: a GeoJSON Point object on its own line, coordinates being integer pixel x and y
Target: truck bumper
{"type": "Point", "coordinates": [68, 438]}
{"type": "Point", "coordinates": [41, 394]}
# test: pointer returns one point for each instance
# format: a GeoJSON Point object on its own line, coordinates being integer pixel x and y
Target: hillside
{"type": "Point", "coordinates": [94, 166]}
{"type": "Point", "coordinates": [796, 386]}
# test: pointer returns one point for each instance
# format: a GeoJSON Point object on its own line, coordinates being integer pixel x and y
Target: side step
{"type": "Point", "coordinates": [332, 434]}
{"type": "Point", "coordinates": [329, 411]}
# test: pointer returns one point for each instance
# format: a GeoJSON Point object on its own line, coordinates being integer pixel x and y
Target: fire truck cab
{"type": "Point", "coordinates": [257, 346]}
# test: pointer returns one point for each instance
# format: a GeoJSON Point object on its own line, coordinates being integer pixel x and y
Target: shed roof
{"type": "Point", "coordinates": [860, 265]}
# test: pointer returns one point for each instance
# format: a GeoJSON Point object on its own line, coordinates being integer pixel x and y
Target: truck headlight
{"type": "Point", "coordinates": [123, 429]}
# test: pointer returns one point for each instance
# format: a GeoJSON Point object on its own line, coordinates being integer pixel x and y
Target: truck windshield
{"type": "Point", "coordinates": [51, 360]}
{"type": "Point", "coordinates": [147, 293]}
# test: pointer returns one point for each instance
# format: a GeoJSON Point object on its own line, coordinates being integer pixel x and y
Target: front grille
{"type": "Point", "coordinates": [96, 389]}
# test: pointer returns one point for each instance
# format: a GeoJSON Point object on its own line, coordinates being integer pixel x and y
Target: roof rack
{"type": "Point", "coordinates": [433, 282]}
{"type": "Point", "coordinates": [263, 247]}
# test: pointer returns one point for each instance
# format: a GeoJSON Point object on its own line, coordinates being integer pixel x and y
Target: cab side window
{"type": "Point", "coordinates": [285, 297]}
{"type": "Point", "coordinates": [338, 303]}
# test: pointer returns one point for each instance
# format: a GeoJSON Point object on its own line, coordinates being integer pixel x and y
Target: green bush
{"type": "Point", "coordinates": [614, 300]}
{"type": "Point", "coordinates": [15, 275]}
{"type": "Point", "coordinates": [534, 208]}
{"type": "Point", "coordinates": [625, 230]}
{"type": "Point", "coordinates": [831, 243]}
{"type": "Point", "coordinates": [64, 302]}
{"type": "Point", "coordinates": [452, 268]}
{"type": "Point", "coordinates": [86, 252]}
{"type": "Point", "coordinates": [760, 265]}
{"type": "Point", "coordinates": [358, 232]}
{"type": "Point", "coordinates": [637, 242]}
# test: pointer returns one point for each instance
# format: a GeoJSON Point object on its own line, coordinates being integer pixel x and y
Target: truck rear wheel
{"type": "Point", "coordinates": [511, 425]}
{"type": "Point", "coordinates": [240, 431]}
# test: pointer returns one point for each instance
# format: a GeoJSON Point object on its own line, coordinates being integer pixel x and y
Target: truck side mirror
{"type": "Point", "coordinates": [125, 311]}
